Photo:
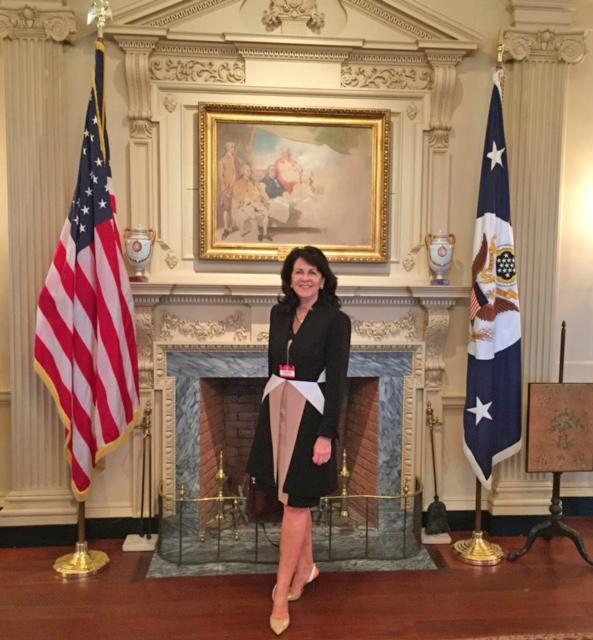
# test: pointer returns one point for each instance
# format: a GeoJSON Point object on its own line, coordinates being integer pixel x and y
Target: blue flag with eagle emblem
{"type": "Point", "coordinates": [492, 416]}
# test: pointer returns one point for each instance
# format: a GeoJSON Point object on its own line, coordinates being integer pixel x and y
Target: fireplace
{"type": "Point", "coordinates": [229, 410]}
{"type": "Point", "coordinates": [213, 398]}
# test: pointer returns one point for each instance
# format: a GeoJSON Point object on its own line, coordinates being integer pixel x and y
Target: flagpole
{"type": "Point", "coordinates": [82, 562]}
{"type": "Point", "coordinates": [477, 550]}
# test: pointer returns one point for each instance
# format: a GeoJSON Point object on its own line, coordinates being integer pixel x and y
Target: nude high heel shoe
{"type": "Point", "coordinates": [279, 625]}
{"type": "Point", "coordinates": [312, 577]}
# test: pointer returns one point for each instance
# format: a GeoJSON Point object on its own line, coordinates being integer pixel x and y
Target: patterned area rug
{"type": "Point", "coordinates": [160, 568]}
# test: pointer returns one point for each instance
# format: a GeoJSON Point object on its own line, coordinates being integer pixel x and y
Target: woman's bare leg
{"type": "Point", "coordinates": [295, 523]}
{"type": "Point", "coordinates": [305, 563]}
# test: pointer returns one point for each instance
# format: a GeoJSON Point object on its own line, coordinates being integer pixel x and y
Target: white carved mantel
{"type": "Point", "coordinates": [189, 318]}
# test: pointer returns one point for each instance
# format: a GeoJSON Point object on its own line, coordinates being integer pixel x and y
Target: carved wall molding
{"type": "Point", "coordinates": [358, 77]}
{"type": "Point", "coordinates": [396, 58]}
{"type": "Point", "coordinates": [393, 18]}
{"type": "Point", "coordinates": [409, 262]}
{"type": "Point", "coordinates": [170, 102]}
{"type": "Point", "coordinates": [202, 330]}
{"type": "Point", "coordinates": [171, 260]}
{"type": "Point", "coordinates": [185, 10]}
{"type": "Point", "coordinates": [32, 23]}
{"type": "Point", "coordinates": [137, 69]}
{"type": "Point", "coordinates": [302, 53]}
{"type": "Point", "coordinates": [545, 45]}
{"type": "Point", "coordinates": [141, 128]}
{"type": "Point", "coordinates": [144, 338]}
{"type": "Point", "coordinates": [408, 475]}
{"type": "Point", "coordinates": [206, 71]}
{"type": "Point", "coordinates": [384, 329]}
{"type": "Point", "coordinates": [438, 138]}
{"type": "Point", "coordinates": [169, 437]}
{"type": "Point", "coordinates": [435, 336]}
{"type": "Point", "coordinates": [306, 11]}
{"type": "Point", "coordinates": [412, 111]}
{"type": "Point", "coordinates": [443, 64]}
{"type": "Point", "coordinates": [148, 294]}
{"type": "Point", "coordinates": [194, 50]}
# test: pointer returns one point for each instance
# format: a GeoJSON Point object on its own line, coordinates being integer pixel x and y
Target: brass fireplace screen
{"type": "Point", "coordinates": [346, 527]}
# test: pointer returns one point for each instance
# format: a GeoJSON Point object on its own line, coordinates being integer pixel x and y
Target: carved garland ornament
{"type": "Point", "coordinates": [280, 10]}
{"type": "Point", "coordinates": [381, 330]}
{"type": "Point", "coordinates": [203, 330]}
{"type": "Point", "coordinates": [197, 71]}
{"type": "Point", "coordinates": [386, 77]}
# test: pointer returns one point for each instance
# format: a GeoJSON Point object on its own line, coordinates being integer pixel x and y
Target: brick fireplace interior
{"type": "Point", "coordinates": [228, 416]}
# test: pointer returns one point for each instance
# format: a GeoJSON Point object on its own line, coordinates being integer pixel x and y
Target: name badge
{"type": "Point", "coordinates": [287, 371]}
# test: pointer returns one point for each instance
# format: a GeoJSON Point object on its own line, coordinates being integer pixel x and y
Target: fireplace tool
{"type": "Point", "coordinates": [436, 514]}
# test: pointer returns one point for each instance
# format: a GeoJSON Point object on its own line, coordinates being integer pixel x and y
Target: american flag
{"type": "Point", "coordinates": [85, 341]}
{"type": "Point", "coordinates": [492, 416]}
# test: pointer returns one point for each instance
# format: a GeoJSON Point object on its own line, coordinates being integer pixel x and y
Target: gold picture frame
{"type": "Point", "coordinates": [272, 178]}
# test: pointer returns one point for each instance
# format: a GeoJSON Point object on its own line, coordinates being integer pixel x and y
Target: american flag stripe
{"type": "Point", "coordinates": [118, 317]}
{"type": "Point", "coordinates": [85, 347]}
{"type": "Point", "coordinates": [51, 372]}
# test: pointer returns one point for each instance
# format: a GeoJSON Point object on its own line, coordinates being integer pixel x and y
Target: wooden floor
{"type": "Point", "coordinates": [550, 590]}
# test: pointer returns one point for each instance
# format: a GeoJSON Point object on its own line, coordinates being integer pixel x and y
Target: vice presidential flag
{"type": "Point", "coordinates": [492, 416]}
{"type": "Point", "coordinates": [85, 341]}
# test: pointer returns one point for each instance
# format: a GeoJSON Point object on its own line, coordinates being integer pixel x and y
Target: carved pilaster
{"type": "Point", "coordinates": [137, 67]}
{"type": "Point", "coordinates": [37, 190]}
{"type": "Point", "coordinates": [33, 23]}
{"type": "Point", "coordinates": [439, 159]}
{"type": "Point", "coordinates": [536, 93]}
{"type": "Point", "coordinates": [142, 147]}
{"type": "Point", "coordinates": [435, 337]}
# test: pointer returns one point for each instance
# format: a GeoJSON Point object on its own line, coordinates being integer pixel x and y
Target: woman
{"type": "Point", "coordinates": [293, 454]}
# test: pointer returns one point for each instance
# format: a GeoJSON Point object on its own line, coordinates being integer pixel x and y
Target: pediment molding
{"type": "Point", "coordinates": [427, 29]}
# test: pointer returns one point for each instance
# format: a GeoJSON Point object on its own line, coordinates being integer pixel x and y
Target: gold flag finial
{"type": "Point", "coordinates": [101, 12]}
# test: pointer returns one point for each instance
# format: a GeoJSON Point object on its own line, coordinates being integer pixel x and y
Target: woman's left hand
{"type": "Point", "coordinates": [322, 450]}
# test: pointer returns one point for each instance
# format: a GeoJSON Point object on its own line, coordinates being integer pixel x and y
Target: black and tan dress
{"type": "Point", "coordinates": [294, 412]}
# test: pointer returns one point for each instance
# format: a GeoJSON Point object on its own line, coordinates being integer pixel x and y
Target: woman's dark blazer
{"type": "Point", "coordinates": [322, 343]}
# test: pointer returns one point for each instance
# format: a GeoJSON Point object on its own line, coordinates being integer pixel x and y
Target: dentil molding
{"type": "Point", "coordinates": [32, 23]}
{"type": "Point", "coordinates": [544, 46]}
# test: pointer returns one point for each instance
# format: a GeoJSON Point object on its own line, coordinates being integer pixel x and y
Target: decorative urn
{"type": "Point", "coordinates": [138, 244]}
{"type": "Point", "coordinates": [440, 255]}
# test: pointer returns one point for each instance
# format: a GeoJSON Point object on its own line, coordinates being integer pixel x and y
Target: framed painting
{"type": "Point", "coordinates": [560, 427]}
{"type": "Point", "coordinates": [275, 178]}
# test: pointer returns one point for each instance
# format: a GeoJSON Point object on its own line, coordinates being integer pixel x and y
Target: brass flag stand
{"type": "Point", "coordinates": [82, 562]}
{"type": "Point", "coordinates": [477, 550]}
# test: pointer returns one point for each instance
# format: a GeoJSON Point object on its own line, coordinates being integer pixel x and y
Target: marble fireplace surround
{"type": "Point", "coordinates": [184, 336]}
{"type": "Point", "coordinates": [398, 368]}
